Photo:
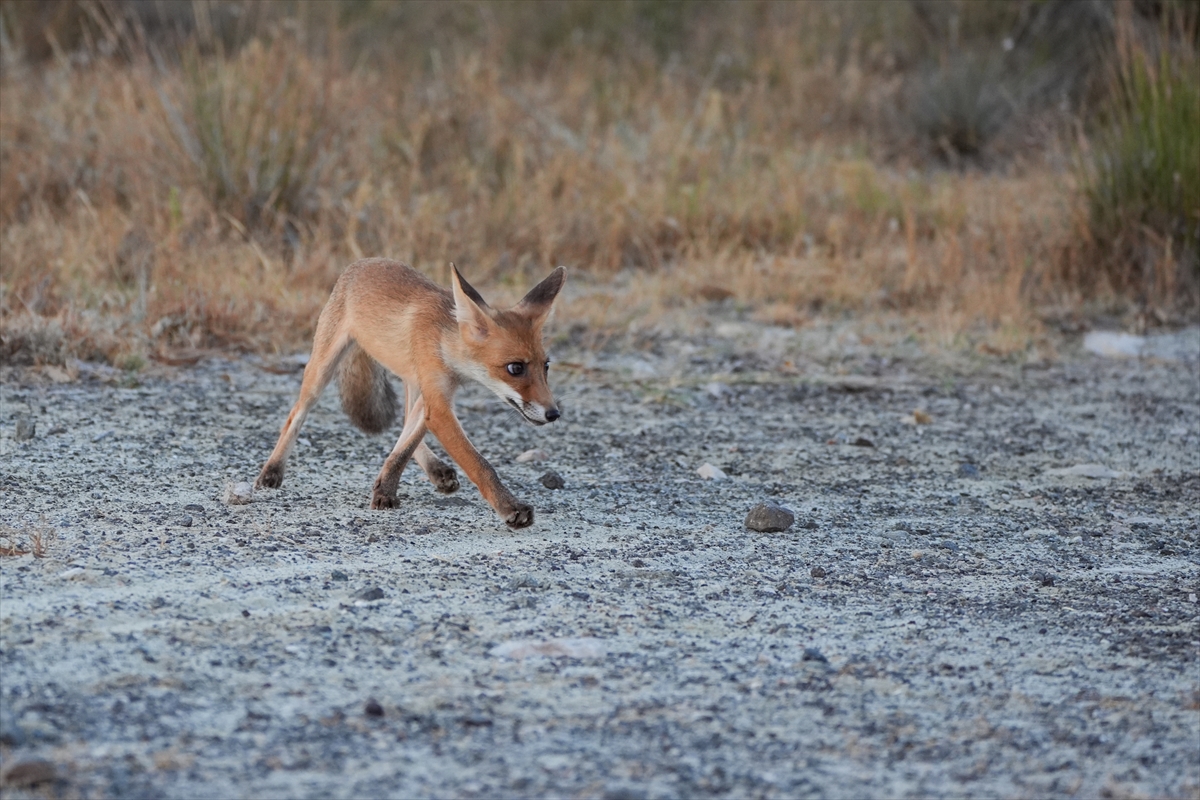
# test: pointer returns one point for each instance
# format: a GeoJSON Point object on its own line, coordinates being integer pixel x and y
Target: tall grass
{"type": "Point", "coordinates": [1143, 179]}
{"type": "Point", "coordinates": [257, 128]}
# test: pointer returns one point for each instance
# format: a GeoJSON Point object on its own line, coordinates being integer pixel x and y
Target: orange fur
{"type": "Point", "coordinates": [384, 313]}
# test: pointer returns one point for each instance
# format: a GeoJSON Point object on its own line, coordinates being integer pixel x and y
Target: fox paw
{"type": "Point", "coordinates": [380, 501]}
{"type": "Point", "coordinates": [519, 516]}
{"type": "Point", "coordinates": [444, 479]}
{"type": "Point", "coordinates": [271, 477]}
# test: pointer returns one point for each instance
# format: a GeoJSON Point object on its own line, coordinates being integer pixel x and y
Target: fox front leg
{"type": "Point", "coordinates": [446, 427]}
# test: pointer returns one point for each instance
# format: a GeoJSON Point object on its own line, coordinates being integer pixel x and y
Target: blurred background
{"type": "Point", "coordinates": [195, 174]}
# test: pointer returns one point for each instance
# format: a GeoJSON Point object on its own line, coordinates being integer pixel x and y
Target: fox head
{"type": "Point", "coordinates": [504, 348]}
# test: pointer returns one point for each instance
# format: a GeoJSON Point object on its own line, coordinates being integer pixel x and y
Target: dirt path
{"type": "Point", "coordinates": [951, 614]}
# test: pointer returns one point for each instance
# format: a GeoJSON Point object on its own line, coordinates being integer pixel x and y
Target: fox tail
{"type": "Point", "coordinates": [367, 396]}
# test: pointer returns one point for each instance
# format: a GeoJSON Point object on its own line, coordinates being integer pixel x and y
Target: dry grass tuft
{"type": "Point", "coordinates": [27, 539]}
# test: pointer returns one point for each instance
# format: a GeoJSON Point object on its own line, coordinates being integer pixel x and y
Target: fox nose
{"type": "Point", "coordinates": [552, 414]}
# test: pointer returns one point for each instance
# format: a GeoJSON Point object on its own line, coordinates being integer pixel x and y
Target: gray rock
{"type": "Point", "coordinates": [813, 654]}
{"type": "Point", "coordinates": [769, 518]}
{"type": "Point", "coordinates": [25, 429]}
{"type": "Point", "coordinates": [238, 494]}
{"type": "Point", "coordinates": [552, 480]}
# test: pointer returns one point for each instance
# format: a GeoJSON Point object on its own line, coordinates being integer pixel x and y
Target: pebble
{"type": "Point", "coordinates": [769, 518]}
{"type": "Point", "coordinates": [1087, 471]}
{"type": "Point", "coordinates": [1043, 578]}
{"type": "Point", "coordinates": [30, 772]}
{"type": "Point", "coordinates": [817, 572]}
{"type": "Point", "coordinates": [338, 575]}
{"type": "Point", "coordinates": [813, 654]}
{"type": "Point", "coordinates": [582, 647]}
{"type": "Point", "coordinates": [372, 708]}
{"type": "Point", "coordinates": [374, 593]}
{"type": "Point", "coordinates": [238, 494]}
{"type": "Point", "coordinates": [710, 473]}
{"type": "Point", "coordinates": [552, 480]}
{"type": "Point", "coordinates": [862, 441]}
{"type": "Point", "coordinates": [968, 471]}
{"type": "Point", "coordinates": [186, 522]}
{"type": "Point", "coordinates": [25, 429]}
{"type": "Point", "coordinates": [532, 455]}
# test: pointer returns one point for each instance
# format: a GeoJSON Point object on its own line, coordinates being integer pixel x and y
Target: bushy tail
{"type": "Point", "coordinates": [367, 396]}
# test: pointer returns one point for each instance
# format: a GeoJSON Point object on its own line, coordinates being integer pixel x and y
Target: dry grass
{"type": "Point", "coordinates": [27, 539]}
{"type": "Point", "coordinates": [149, 205]}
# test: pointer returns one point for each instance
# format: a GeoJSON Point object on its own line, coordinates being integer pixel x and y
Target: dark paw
{"type": "Point", "coordinates": [271, 477]}
{"type": "Point", "coordinates": [381, 501]}
{"type": "Point", "coordinates": [444, 478]}
{"type": "Point", "coordinates": [519, 516]}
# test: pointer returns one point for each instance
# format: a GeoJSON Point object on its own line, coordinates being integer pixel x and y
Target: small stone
{"type": "Point", "coordinates": [186, 522]}
{"type": "Point", "coordinates": [30, 772]}
{"type": "Point", "coordinates": [1087, 471]}
{"type": "Point", "coordinates": [245, 613]}
{"type": "Point", "coordinates": [581, 647]}
{"type": "Point", "coordinates": [769, 518]}
{"type": "Point", "coordinates": [809, 525]}
{"type": "Point", "coordinates": [238, 494]}
{"type": "Point", "coordinates": [25, 428]}
{"type": "Point", "coordinates": [710, 473]}
{"type": "Point", "coordinates": [813, 654]}
{"type": "Point", "coordinates": [968, 471]}
{"type": "Point", "coordinates": [532, 455]}
{"type": "Point", "coordinates": [817, 572]}
{"type": "Point", "coordinates": [552, 480]}
{"type": "Point", "coordinates": [862, 441]}
{"type": "Point", "coordinates": [1043, 578]}
{"type": "Point", "coordinates": [372, 708]}
{"type": "Point", "coordinates": [338, 575]}
{"type": "Point", "coordinates": [921, 417]}
{"type": "Point", "coordinates": [374, 593]}
{"type": "Point", "coordinates": [196, 507]}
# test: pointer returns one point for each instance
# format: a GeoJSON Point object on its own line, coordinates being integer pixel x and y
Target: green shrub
{"type": "Point", "coordinates": [1142, 176]}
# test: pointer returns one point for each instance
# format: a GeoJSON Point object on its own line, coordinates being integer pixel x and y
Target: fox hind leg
{"type": "Point", "coordinates": [328, 348]}
{"type": "Point", "coordinates": [441, 475]}
{"type": "Point", "coordinates": [383, 493]}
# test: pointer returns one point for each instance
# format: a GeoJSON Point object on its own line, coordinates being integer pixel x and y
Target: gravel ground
{"type": "Point", "coordinates": [958, 609]}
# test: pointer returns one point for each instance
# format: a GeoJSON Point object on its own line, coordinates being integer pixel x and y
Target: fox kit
{"type": "Point", "coordinates": [384, 314]}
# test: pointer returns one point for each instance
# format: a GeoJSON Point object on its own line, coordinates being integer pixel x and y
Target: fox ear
{"type": "Point", "coordinates": [470, 309]}
{"type": "Point", "coordinates": [540, 300]}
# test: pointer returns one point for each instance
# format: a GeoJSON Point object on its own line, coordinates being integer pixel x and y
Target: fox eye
{"type": "Point", "coordinates": [547, 367]}
{"type": "Point", "coordinates": [516, 368]}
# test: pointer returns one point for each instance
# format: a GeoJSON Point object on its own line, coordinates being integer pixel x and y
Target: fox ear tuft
{"type": "Point", "coordinates": [540, 299]}
{"type": "Point", "coordinates": [470, 309]}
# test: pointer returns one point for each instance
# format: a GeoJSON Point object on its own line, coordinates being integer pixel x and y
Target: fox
{"type": "Point", "coordinates": [383, 314]}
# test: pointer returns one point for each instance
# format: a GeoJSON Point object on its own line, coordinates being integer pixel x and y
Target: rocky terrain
{"type": "Point", "coordinates": [989, 588]}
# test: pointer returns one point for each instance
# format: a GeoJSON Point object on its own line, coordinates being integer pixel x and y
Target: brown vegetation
{"type": "Point", "coordinates": [200, 181]}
